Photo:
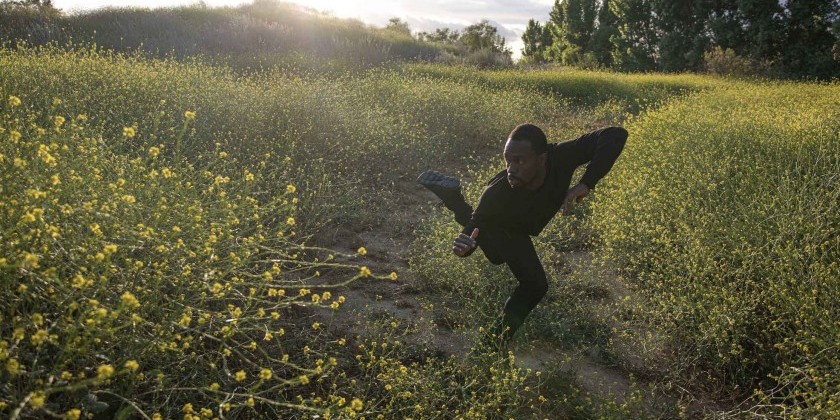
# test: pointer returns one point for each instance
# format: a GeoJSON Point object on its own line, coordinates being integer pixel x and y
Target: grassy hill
{"type": "Point", "coordinates": [262, 33]}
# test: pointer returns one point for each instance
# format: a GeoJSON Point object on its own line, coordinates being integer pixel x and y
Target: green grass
{"type": "Point", "coordinates": [724, 214]}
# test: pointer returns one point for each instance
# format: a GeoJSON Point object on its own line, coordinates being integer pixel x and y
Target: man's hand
{"type": "Point", "coordinates": [575, 195]}
{"type": "Point", "coordinates": [464, 245]}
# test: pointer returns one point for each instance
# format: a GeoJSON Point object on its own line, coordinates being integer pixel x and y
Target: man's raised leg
{"type": "Point", "coordinates": [448, 189]}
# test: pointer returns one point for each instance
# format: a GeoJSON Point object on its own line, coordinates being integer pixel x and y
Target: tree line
{"type": "Point", "coordinates": [480, 43]}
{"type": "Point", "coordinates": [786, 38]}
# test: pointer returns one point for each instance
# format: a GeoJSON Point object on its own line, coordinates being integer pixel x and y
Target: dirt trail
{"type": "Point", "coordinates": [387, 244]}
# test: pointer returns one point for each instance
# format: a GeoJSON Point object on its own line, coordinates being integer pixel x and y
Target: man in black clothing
{"type": "Point", "coordinates": [520, 201]}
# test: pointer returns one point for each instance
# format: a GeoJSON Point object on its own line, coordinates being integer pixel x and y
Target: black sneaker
{"type": "Point", "coordinates": [445, 187]}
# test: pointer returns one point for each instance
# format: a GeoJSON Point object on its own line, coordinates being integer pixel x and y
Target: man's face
{"type": "Point", "coordinates": [523, 164]}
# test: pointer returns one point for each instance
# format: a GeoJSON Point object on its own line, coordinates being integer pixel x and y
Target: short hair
{"type": "Point", "coordinates": [532, 134]}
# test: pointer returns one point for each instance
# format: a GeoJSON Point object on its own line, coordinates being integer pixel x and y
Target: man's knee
{"type": "Point", "coordinates": [537, 289]}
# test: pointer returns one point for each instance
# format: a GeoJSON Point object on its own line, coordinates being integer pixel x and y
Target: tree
{"type": "Point", "coordinates": [682, 36]}
{"type": "Point", "coordinates": [441, 35]}
{"type": "Point", "coordinates": [808, 40]}
{"type": "Point", "coordinates": [572, 24]}
{"type": "Point", "coordinates": [537, 38]}
{"type": "Point", "coordinates": [636, 48]}
{"type": "Point", "coordinates": [483, 35]}
{"type": "Point", "coordinates": [601, 44]}
{"type": "Point", "coordinates": [397, 25]}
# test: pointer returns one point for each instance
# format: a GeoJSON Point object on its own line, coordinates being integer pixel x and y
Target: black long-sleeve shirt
{"type": "Point", "coordinates": [529, 211]}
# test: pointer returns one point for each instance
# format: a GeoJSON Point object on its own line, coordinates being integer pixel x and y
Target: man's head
{"type": "Point", "coordinates": [525, 154]}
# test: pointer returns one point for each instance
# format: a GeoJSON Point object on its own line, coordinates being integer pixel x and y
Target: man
{"type": "Point", "coordinates": [520, 201]}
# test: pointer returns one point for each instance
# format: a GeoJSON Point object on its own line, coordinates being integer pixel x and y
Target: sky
{"type": "Point", "coordinates": [509, 17]}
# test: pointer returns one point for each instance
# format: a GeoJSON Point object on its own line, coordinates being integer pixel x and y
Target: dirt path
{"type": "Point", "coordinates": [387, 244]}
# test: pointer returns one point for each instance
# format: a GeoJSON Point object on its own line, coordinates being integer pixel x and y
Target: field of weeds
{"type": "Point", "coordinates": [181, 240]}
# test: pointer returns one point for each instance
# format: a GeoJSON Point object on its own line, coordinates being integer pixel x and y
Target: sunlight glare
{"type": "Point", "coordinates": [353, 8]}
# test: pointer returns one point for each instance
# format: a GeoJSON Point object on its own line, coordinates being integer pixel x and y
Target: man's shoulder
{"type": "Point", "coordinates": [496, 179]}
{"type": "Point", "coordinates": [497, 187]}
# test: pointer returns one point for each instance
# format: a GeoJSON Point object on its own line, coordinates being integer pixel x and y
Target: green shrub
{"type": "Point", "coordinates": [143, 284]}
{"type": "Point", "coordinates": [725, 62]}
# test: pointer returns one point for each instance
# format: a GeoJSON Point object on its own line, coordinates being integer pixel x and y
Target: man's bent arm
{"type": "Point", "coordinates": [601, 149]}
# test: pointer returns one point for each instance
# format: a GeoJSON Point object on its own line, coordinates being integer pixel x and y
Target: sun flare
{"type": "Point", "coordinates": [353, 8]}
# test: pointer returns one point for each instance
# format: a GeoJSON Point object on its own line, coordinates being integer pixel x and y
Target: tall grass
{"type": "Point", "coordinates": [723, 212]}
{"type": "Point", "coordinates": [158, 232]}
{"type": "Point", "coordinates": [629, 93]}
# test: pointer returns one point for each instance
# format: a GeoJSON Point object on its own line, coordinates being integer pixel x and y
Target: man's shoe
{"type": "Point", "coordinates": [445, 187]}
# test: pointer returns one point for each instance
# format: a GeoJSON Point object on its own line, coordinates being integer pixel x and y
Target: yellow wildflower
{"type": "Point", "coordinates": [364, 271]}
{"type": "Point", "coordinates": [104, 371]}
{"type": "Point", "coordinates": [154, 151]}
{"type": "Point", "coordinates": [290, 221]}
{"type": "Point", "coordinates": [265, 374]}
{"type": "Point", "coordinates": [13, 366]}
{"type": "Point", "coordinates": [129, 132]}
{"type": "Point", "coordinates": [240, 376]}
{"type": "Point", "coordinates": [362, 250]}
{"type": "Point", "coordinates": [58, 120]}
{"type": "Point", "coordinates": [30, 260]}
{"type": "Point", "coordinates": [39, 337]}
{"type": "Point", "coordinates": [44, 154]}
{"type": "Point", "coordinates": [189, 115]}
{"type": "Point", "coordinates": [356, 404]}
{"type": "Point", "coordinates": [14, 101]}
{"type": "Point", "coordinates": [37, 399]}
{"type": "Point", "coordinates": [73, 414]}
{"type": "Point", "coordinates": [132, 365]}
{"type": "Point", "coordinates": [393, 276]}
{"type": "Point", "coordinates": [128, 299]}
{"type": "Point", "coordinates": [185, 320]}
{"type": "Point", "coordinates": [290, 188]}
{"type": "Point", "coordinates": [15, 135]}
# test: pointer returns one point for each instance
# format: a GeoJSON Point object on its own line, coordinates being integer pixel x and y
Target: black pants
{"type": "Point", "coordinates": [517, 251]}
